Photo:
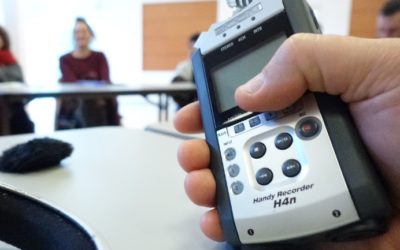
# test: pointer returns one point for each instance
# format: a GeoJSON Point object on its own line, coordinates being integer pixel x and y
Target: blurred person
{"type": "Point", "coordinates": [10, 71]}
{"type": "Point", "coordinates": [388, 20]}
{"type": "Point", "coordinates": [184, 73]}
{"type": "Point", "coordinates": [85, 65]}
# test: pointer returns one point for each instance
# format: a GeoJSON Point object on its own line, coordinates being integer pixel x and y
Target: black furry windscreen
{"type": "Point", "coordinates": [36, 154]}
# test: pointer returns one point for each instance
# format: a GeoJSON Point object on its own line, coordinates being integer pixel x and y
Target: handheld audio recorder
{"type": "Point", "coordinates": [282, 176]}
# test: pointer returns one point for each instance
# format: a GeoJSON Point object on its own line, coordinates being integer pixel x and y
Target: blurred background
{"type": "Point", "coordinates": [142, 39]}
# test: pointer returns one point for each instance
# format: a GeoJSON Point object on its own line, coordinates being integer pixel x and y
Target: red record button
{"type": "Point", "coordinates": [308, 127]}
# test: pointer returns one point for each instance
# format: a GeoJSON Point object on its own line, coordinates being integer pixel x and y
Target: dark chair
{"type": "Point", "coordinates": [28, 224]}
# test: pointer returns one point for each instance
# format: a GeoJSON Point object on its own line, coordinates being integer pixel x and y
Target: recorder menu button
{"type": "Point", "coordinates": [270, 116]}
{"type": "Point", "coordinates": [239, 128]}
{"type": "Point", "coordinates": [264, 176]}
{"type": "Point", "coordinates": [283, 141]}
{"type": "Point", "coordinates": [233, 170]}
{"type": "Point", "coordinates": [237, 187]}
{"type": "Point", "coordinates": [230, 154]}
{"type": "Point", "coordinates": [257, 150]}
{"type": "Point", "coordinates": [291, 168]}
{"type": "Point", "coordinates": [254, 121]}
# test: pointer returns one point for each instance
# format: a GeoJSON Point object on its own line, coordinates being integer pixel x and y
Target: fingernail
{"type": "Point", "coordinates": [253, 85]}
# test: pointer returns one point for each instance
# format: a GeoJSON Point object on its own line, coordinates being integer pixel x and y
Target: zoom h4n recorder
{"type": "Point", "coordinates": [285, 176]}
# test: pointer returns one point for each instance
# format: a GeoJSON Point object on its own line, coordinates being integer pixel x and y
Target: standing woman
{"type": "Point", "coordinates": [83, 65]}
{"type": "Point", "coordinates": [10, 71]}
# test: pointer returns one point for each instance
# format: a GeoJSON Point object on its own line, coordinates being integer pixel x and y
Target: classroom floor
{"type": "Point", "coordinates": [136, 112]}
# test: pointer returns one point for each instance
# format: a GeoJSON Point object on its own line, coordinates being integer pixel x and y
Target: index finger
{"type": "Point", "coordinates": [188, 119]}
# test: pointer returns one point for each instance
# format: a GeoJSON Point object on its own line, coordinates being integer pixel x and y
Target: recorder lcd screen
{"type": "Point", "coordinates": [229, 76]}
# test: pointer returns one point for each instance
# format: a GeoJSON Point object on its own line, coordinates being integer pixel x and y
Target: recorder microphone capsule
{"type": "Point", "coordinates": [240, 4]}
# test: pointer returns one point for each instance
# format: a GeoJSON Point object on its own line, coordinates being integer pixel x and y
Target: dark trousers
{"type": "Point", "coordinates": [19, 119]}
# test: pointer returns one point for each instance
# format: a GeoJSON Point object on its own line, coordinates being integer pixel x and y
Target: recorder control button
{"type": "Point", "coordinates": [254, 121]}
{"type": "Point", "coordinates": [308, 127]}
{"type": "Point", "coordinates": [230, 154]}
{"type": "Point", "coordinates": [291, 168]}
{"type": "Point", "coordinates": [257, 150]}
{"type": "Point", "coordinates": [239, 128]}
{"type": "Point", "coordinates": [237, 187]}
{"type": "Point", "coordinates": [233, 170]}
{"type": "Point", "coordinates": [283, 141]}
{"type": "Point", "coordinates": [270, 116]}
{"type": "Point", "coordinates": [264, 176]}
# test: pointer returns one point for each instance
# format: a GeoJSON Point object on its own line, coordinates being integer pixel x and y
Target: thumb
{"type": "Point", "coordinates": [332, 64]}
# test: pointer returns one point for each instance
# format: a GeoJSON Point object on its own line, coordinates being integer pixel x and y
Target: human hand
{"type": "Point", "coordinates": [364, 72]}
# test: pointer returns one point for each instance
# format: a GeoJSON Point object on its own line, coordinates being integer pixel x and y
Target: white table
{"type": "Point", "coordinates": [125, 185]}
{"type": "Point", "coordinates": [17, 91]}
{"type": "Point", "coordinates": [167, 128]}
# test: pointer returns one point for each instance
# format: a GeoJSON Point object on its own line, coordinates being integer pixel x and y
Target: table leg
{"type": "Point", "coordinates": [4, 117]}
{"type": "Point", "coordinates": [166, 107]}
{"type": "Point", "coordinates": [160, 107]}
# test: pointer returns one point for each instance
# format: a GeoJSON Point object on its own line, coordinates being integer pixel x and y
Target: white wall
{"type": "Point", "coordinates": [334, 16]}
{"type": "Point", "coordinates": [44, 33]}
{"type": "Point", "coordinates": [41, 31]}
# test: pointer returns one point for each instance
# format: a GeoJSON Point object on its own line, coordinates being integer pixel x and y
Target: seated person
{"type": "Point", "coordinates": [10, 71]}
{"type": "Point", "coordinates": [84, 64]}
{"type": "Point", "coordinates": [184, 73]}
{"type": "Point", "coordinates": [388, 20]}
